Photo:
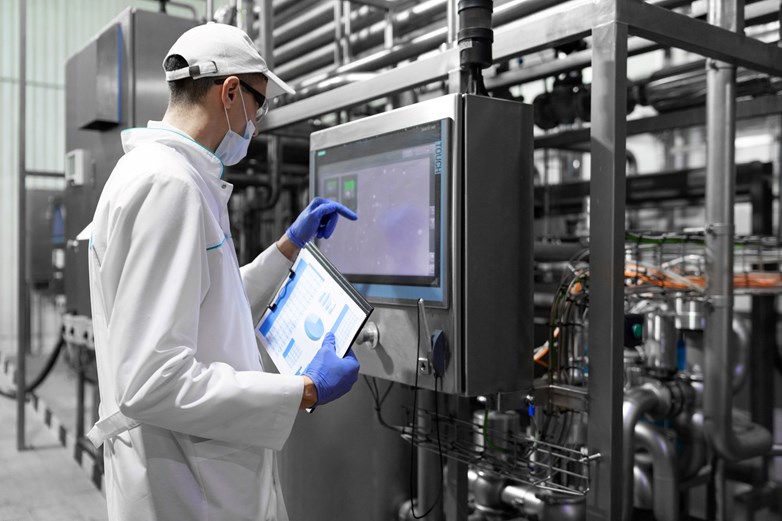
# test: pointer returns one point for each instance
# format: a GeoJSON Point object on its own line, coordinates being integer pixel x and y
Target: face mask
{"type": "Point", "coordinates": [233, 147]}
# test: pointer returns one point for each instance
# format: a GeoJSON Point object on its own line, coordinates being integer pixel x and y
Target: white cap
{"type": "Point", "coordinates": [222, 50]}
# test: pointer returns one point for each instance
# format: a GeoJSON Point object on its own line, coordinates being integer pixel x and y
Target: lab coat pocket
{"type": "Point", "coordinates": [231, 477]}
{"type": "Point", "coordinates": [215, 453]}
{"type": "Point", "coordinates": [213, 449]}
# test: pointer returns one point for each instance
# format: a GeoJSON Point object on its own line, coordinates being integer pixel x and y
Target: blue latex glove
{"type": "Point", "coordinates": [318, 219]}
{"type": "Point", "coordinates": [333, 376]}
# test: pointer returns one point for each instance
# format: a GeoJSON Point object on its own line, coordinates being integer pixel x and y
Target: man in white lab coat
{"type": "Point", "coordinates": [190, 422]}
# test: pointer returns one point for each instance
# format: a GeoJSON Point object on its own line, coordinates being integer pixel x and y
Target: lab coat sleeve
{"type": "Point", "coordinates": [262, 276]}
{"type": "Point", "coordinates": [155, 264]}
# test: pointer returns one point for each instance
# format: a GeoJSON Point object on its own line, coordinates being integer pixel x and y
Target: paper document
{"type": "Point", "coordinates": [313, 300]}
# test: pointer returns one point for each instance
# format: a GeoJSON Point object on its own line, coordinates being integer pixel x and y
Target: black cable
{"type": "Point", "coordinates": [44, 372]}
{"type": "Point", "coordinates": [413, 433]}
{"type": "Point", "coordinates": [378, 400]}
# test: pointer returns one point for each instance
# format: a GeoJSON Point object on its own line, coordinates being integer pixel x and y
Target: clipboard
{"type": "Point", "coordinates": [313, 300]}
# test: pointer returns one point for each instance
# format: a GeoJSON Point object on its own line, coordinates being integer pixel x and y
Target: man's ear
{"type": "Point", "coordinates": [228, 93]}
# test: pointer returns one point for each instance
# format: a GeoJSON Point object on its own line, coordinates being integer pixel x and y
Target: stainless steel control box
{"type": "Point", "coordinates": [478, 293]}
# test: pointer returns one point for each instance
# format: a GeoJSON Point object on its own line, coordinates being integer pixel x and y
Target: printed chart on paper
{"type": "Point", "coordinates": [309, 304]}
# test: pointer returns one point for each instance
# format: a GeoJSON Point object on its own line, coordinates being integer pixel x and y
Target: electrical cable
{"type": "Point", "coordinates": [378, 400]}
{"type": "Point", "coordinates": [413, 431]}
{"type": "Point", "coordinates": [43, 374]}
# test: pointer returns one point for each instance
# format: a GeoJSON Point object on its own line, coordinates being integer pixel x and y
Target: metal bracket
{"type": "Point", "coordinates": [719, 229]}
{"type": "Point", "coordinates": [717, 301]}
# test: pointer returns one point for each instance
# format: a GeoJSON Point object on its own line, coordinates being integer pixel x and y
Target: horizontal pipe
{"type": "Point", "coordinates": [294, 63]}
{"type": "Point", "coordinates": [519, 9]}
{"type": "Point", "coordinates": [318, 30]}
{"type": "Point", "coordinates": [535, 503]}
{"type": "Point", "coordinates": [318, 39]}
{"type": "Point", "coordinates": [312, 18]}
{"type": "Point", "coordinates": [285, 11]}
{"type": "Point", "coordinates": [511, 40]}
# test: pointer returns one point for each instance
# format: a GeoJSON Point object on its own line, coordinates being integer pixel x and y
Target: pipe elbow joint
{"type": "Point", "coordinates": [732, 446]}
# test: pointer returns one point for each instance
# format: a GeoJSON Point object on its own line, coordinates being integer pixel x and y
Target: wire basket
{"type": "Point", "coordinates": [677, 262]}
{"type": "Point", "coordinates": [515, 456]}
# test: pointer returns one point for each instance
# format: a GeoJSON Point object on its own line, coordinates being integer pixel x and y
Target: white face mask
{"type": "Point", "coordinates": [233, 147]}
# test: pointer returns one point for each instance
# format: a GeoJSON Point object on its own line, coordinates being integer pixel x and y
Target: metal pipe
{"type": "Point", "coordinates": [741, 348]}
{"type": "Point", "coordinates": [720, 196]}
{"type": "Point", "coordinates": [23, 338]}
{"type": "Point", "coordinates": [452, 20]}
{"type": "Point", "coordinates": [317, 39]}
{"type": "Point", "coordinates": [689, 428]}
{"type": "Point", "coordinates": [338, 33]}
{"type": "Point", "coordinates": [367, 32]}
{"type": "Point", "coordinates": [265, 38]}
{"type": "Point", "coordinates": [642, 488]}
{"type": "Point", "coordinates": [210, 10]}
{"type": "Point", "coordinates": [402, 51]}
{"type": "Point", "coordinates": [607, 242]}
{"type": "Point", "coordinates": [494, 493]}
{"type": "Point", "coordinates": [318, 16]}
{"type": "Point", "coordinates": [275, 170]}
{"type": "Point", "coordinates": [428, 469]}
{"type": "Point", "coordinates": [538, 504]}
{"type": "Point", "coordinates": [244, 17]}
{"type": "Point", "coordinates": [637, 402]}
{"type": "Point", "coordinates": [519, 9]}
{"type": "Point", "coordinates": [280, 6]}
{"type": "Point", "coordinates": [665, 492]}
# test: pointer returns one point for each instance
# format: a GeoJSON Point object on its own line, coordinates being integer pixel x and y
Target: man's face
{"type": "Point", "coordinates": [252, 105]}
{"type": "Point", "coordinates": [257, 104]}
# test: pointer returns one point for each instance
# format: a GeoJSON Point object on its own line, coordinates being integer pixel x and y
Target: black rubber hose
{"type": "Point", "coordinates": [44, 372]}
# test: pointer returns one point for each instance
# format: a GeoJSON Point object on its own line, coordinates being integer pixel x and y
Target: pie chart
{"type": "Point", "coordinates": [313, 326]}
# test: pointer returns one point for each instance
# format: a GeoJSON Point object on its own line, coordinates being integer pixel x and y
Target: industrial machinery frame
{"type": "Point", "coordinates": [610, 23]}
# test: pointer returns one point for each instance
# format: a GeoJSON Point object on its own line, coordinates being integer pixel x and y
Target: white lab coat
{"type": "Point", "coordinates": [190, 421]}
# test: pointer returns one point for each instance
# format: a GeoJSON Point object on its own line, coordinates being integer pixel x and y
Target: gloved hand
{"type": "Point", "coordinates": [318, 219]}
{"type": "Point", "coordinates": [333, 376]}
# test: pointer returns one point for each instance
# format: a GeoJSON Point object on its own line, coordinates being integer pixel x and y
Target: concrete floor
{"type": "Point", "coordinates": [44, 482]}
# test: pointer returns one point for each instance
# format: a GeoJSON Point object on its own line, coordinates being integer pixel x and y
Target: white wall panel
{"type": "Point", "coordinates": [55, 30]}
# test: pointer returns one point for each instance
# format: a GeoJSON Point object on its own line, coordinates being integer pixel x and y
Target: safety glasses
{"type": "Point", "coordinates": [260, 99]}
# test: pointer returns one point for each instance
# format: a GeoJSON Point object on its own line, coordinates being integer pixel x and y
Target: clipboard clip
{"type": "Point", "coordinates": [284, 290]}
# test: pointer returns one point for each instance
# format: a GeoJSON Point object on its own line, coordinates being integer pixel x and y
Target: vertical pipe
{"type": "Point", "coordinates": [22, 290]}
{"type": "Point", "coordinates": [428, 473]}
{"type": "Point", "coordinates": [764, 321]}
{"type": "Point", "coordinates": [388, 31]}
{"type": "Point", "coordinates": [209, 10]}
{"type": "Point", "coordinates": [452, 21]}
{"type": "Point", "coordinates": [338, 34]}
{"type": "Point", "coordinates": [637, 402]}
{"type": "Point", "coordinates": [265, 39]}
{"type": "Point", "coordinates": [607, 228]}
{"type": "Point", "coordinates": [720, 491]}
{"type": "Point", "coordinates": [346, 32]}
{"type": "Point", "coordinates": [456, 491]}
{"type": "Point", "coordinates": [665, 491]}
{"type": "Point", "coordinates": [720, 199]}
{"type": "Point", "coordinates": [81, 398]}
